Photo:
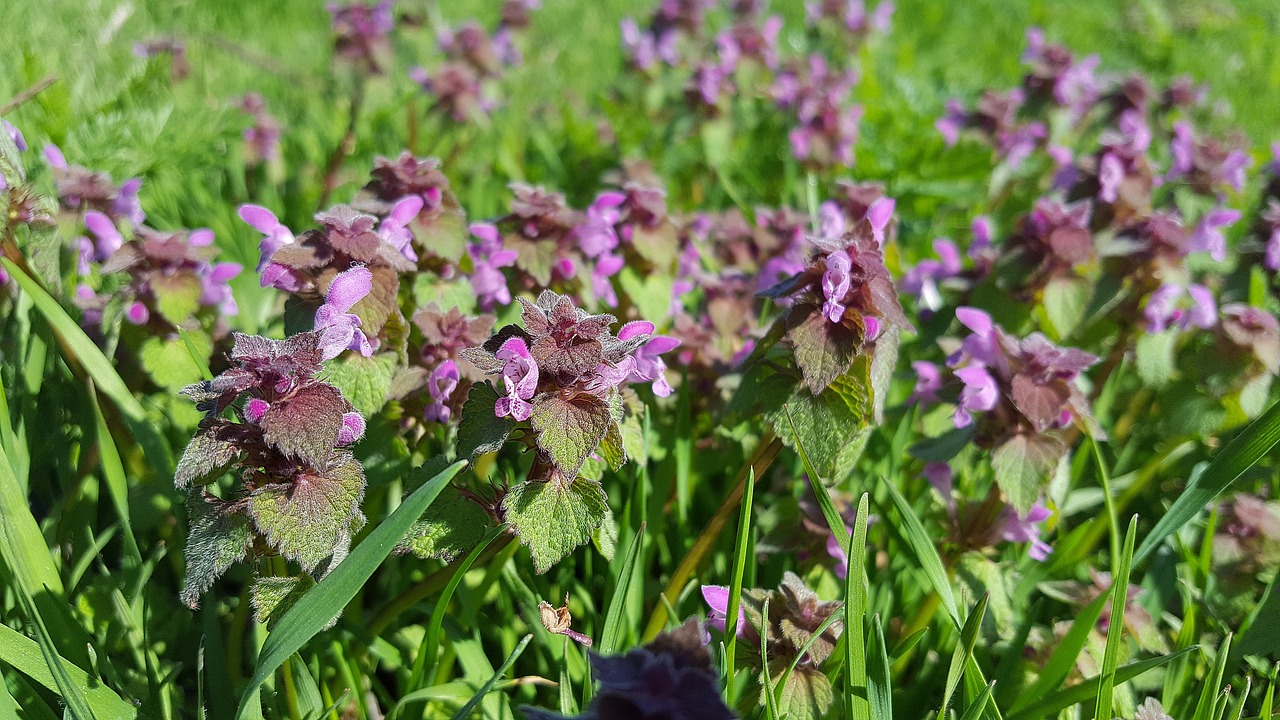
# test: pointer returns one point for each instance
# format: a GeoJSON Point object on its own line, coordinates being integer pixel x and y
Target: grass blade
{"type": "Point", "coordinates": [974, 711]}
{"type": "Point", "coordinates": [1055, 703]}
{"type": "Point", "coordinates": [735, 584]}
{"type": "Point", "coordinates": [1212, 686]}
{"type": "Point", "coordinates": [85, 353]}
{"type": "Point", "coordinates": [1064, 655]}
{"type": "Point", "coordinates": [72, 693]}
{"type": "Point", "coordinates": [855, 612]}
{"type": "Point", "coordinates": [465, 711]}
{"type": "Point", "coordinates": [964, 651]}
{"type": "Point", "coordinates": [1115, 630]}
{"type": "Point", "coordinates": [926, 554]}
{"type": "Point", "coordinates": [1251, 445]}
{"type": "Point", "coordinates": [771, 701]}
{"type": "Point", "coordinates": [24, 655]}
{"type": "Point", "coordinates": [879, 692]}
{"type": "Point", "coordinates": [196, 357]}
{"type": "Point", "coordinates": [117, 484]}
{"type": "Point", "coordinates": [611, 636]}
{"type": "Point", "coordinates": [323, 602]}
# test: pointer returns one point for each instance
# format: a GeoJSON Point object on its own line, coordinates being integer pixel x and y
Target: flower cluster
{"type": "Point", "coordinates": [827, 124]}
{"type": "Point", "coordinates": [262, 138]}
{"type": "Point", "coordinates": [361, 33]}
{"type": "Point", "coordinates": [284, 434]}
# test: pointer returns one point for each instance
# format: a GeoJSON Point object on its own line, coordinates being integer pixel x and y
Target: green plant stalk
{"type": "Point", "coordinates": [855, 611]}
{"type": "Point", "coordinates": [1115, 629]}
{"type": "Point", "coordinates": [735, 586]}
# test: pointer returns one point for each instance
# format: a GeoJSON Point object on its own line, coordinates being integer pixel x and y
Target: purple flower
{"type": "Point", "coordinates": [955, 120]}
{"type": "Point", "coordinates": [1110, 175]}
{"type": "Point", "coordinates": [339, 329]}
{"type": "Point", "coordinates": [717, 599]}
{"type": "Point", "coordinates": [1208, 235]}
{"type": "Point", "coordinates": [649, 365]}
{"type": "Point", "coordinates": [276, 236]}
{"type": "Point", "coordinates": [982, 233]}
{"type": "Point", "coordinates": [352, 428]}
{"type": "Point", "coordinates": [596, 235]}
{"type": "Point", "coordinates": [488, 257]}
{"type": "Point", "coordinates": [606, 266]}
{"type": "Point", "coordinates": [1182, 147]}
{"type": "Point", "coordinates": [255, 409]}
{"type": "Point", "coordinates": [939, 476]}
{"type": "Point", "coordinates": [831, 222]}
{"type": "Point", "coordinates": [440, 386]}
{"type": "Point", "coordinates": [923, 279]}
{"type": "Point", "coordinates": [836, 281]}
{"type": "Point", "coordinates": [215, 290]}
{"type": "Point", "coordinates": [980, 393]}
{"type": "Point", "coordinates": [15, 135]}
{"type": "Point", "coordinates": [1271, 260]}
{"type": "Point", "coordinates": [1026, 529]}
{"type": "Point", "coordinates": [109, 239]}
{"type": "Point", "coordinates": [520, 376]}
{"type": "Point", "coordinates": [983, 345]}
{"type": "Point", "coordinates": [928, 382]}
{"type": "Point", "coordinates": [394, 227]}
{"type": "Point", "coordinates": [638, 45]}
{"type": "Point", "coordinates": [837, 553]}
{"type": "Point", "coordinates": [879, 213]}
{"type": "Point", "coordinates": [1162, 309]}
{"type": "Point", "coordinates": [137, 314]}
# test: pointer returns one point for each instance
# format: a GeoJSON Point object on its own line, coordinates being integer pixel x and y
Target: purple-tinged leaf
{"type": "Point", "coordinates": [311, 520]}
{"type": "Point", "coordinates": [824, 350]}
{"type": "Point", "coordinates": [219, 538]}
{"type": "Point", "coordinates": [480, 430]}
{"type": "Point", "coordinates": [306, 424]}
{"type": "Point", "coordinates": [206, 458]}
{"type": "Point", "coordinates": [570, 425]}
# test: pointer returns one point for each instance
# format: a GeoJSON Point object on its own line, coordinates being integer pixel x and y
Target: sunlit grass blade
{"type": "Point", "coordinates": [770, 701]}
{"type": "Point", "coordinates": [1251, 445]}
{"type": "Point", "coordinates": [829, 512]}
{"type": "Point", "coordinates": [87, 355]}
{"type": "Point", "coordinates": [1064, 655]}
{"type": "Point", "coordinates": [611, 635]}
{"type": "Point", "coordinates": [964, 650]}
{"type": "Point", "coordinates": [24, 655]}
{"type": "Point", "coordinates": [196, 357]}
{"type": "Point", "coordinates": [465, 711]}
{"type": "Point", "coordinates": [804, 649]}
{"type": "Point", "coordinates": [1212, 684]}
{"type": "Point", "coordinates": [323, 602]}
{"type": "Point", "coordinates": [31, 560]}
{"type": "Point", "coordinates": [1115, 630]}
{"type": "Point", "coordinates": [976, 708]}
{"type": "Point", "coordinates": [424, 665]}
{"type": "Point", "coordinates": [117, 484]}
{"type": "Point", "coordinates": [879, 691]}
{"type": "Point", "coordinates": [1056, 702]}
{"type": "Point", "coordinates": [735, 584]}
{"type": "Point", "coordinates": [855, 611]}
{"type": "Point", "coordinates": [926, 553]}
{"type": "Point", "coordinates": [1269, 698]}
{"type": "Point", "coordinates": [905, 645]}
{"type": "Point", "coordinates": [1237, 708]}
{"type": "Point", "coordinates": [72, 693]}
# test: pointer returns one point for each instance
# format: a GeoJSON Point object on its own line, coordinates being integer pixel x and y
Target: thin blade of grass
{"type": "Point", "coordinates": [1268, 700]}
{"type": "Point", "coordinates": [735, 584]}
{"type": "Point", "coordinates": [611, 635]}
{"type": "Point", "coordinates": [855, 612]}
{"type": "Point", "coordinates": [804, 649]}
{"type": "Point", "coordinates": [85, 353]}
{"type": "Point", "coordinates": [1076, 694]}
{"type": "Point", "coordinates": [964, 651]}
{"type": "Point", "coordinates": [1115, 629]}
{"type": "Point", "coordinates": [196, 357]}
{"type": "Point", "coordinates": [907, 643]}
{"type": "Point", "coordinates": [323, 602]}
{"type": "Point", "coordinates": [1213, 683]}
{"type": "Point", "coordinates": [1246, 449]}
{"type": "Point", "coordinates": [1237, 708]}
{"type": "Point", "coordinates": [71, 692]}
{"type": "Point", "coordinates": [465, 711]}
{"type": "Point", "coordinates": [117, 484]}
{"type": "Point", "coordinates": [926, 553]}
{"type": "Point", "coordinates": [975, 709]}
{"type": "Point", "coordinates": [879, 691]}
{"type": "Point", "coordinates": [24, 655]}
{"type": "Point", "coordinates": [1064, 655]}
{"type": "Point", "coordinates": [770, 701]}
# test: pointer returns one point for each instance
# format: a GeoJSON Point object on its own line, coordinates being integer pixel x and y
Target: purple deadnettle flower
{"type": "Point", "coordinates": [138, 314]}
{"type": "Point", "coordinates": [836, 281]}
{"type": "Point", "coordinates": [980, 393]}
{"type": "Point", "coordinates": [649, 365]}
{"type": "Point", "coordinates": [1027, 529]}
{"type": "Point", "coordinates": [955, 120]}
{"type": "Point", "coordinates": [488, 257]}
{"type": "Point", "coordinates": [520, 376]}
{"type": "Point", "coordinates": [352, 428]}
{"type": "Point", "coordinates": [15, 135]}
{"type": "Point", "coordinates": [440, 386]}
{"type": "Point", "coordinates": [1162, 309]}
{"type": "Point", "coordinates": [717, 599]}
{"type": "Point", "coordinates": [255, 409]}
{"type": "Point", "coordinates": [104, 231]}
{"type": "Point", "coordinates": [339, 329]}
{"type": "Point", "coordinates": [928, 382]}
{"type": "Point", "coordinates": [1110, 175]}
{"type": "Point", "coordinates": [214, 288]}
{"type": "Point", "coordinates": [596, 235]}
{"type": "Point", "coordinates": [275, 236]}
{"type": "Point", "coordinates": [1208, 235]}
{"type": "Point", "coordinates": [394, 227]}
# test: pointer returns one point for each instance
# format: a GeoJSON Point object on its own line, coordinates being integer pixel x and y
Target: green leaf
{"type": "Point", "coordinates": [824, 350]}
{"type": "Point", "coordinates": [102, 370]}
{"type": "Point", "coordinates": [1063, 659]}
{"type": "Point", "coordinates": [218, 539]}
{"type": "Point", "coordinates": [312, 520]}
{"type": "Point", "coordinates": [24, 655]}
{"type": "Point", "coordinates": [205, 459]}
{"type": "Point", "coordinates": [272, 596]}
{"type": "Point", "coordinates": [306, 424]}
{"type": "Point", "coordinates": [318, 607]}
{"type": "Point", "coordinates": [833, 424]}
{"type": "Point", "coordinates": [613, 448]}
{"type": "Point", "coordinates": [553, 518]}
{"type": "Point", "coordinates": [855, 612]}
{"type": "Point", "coordinates": [1211, 686]}
{"type": "Point", "coordinates": [1023, 465]}
{"type": "Point", "coordinates": [963, 651]}
{"type": "Point", "coordinates": [1081, 693]}
{"type": "Point", "coordinates": [1154, 357]}
{"type": "Point", "coordinates": [177, 295]}
{"type": "Point", "coordinates": [974, 711]}
{"type": "Point", "coordinates": [364, 381]}
{"type": "Point", "coordinates": [450, 527]}
{"type": "Point", "coordinates": [611, 635]}
{"type": "Point", "coordinates": [569, 427]}
{"type": "Point", "coordinates": [480, 431]}
{"type": "Point", "coordinates": [921, 544]}
{"type": "Point", "coordinates": [1066, 298]}
{"type": "Point", "coordinates": [465, 711]}
{"type": "Point", "coordinates": [806, 695]}
{"type": "Point", "coordinates": [1242, 453]}
{"type": "Point", "coordinates": [651, 295]}
{"type": "Point", "coordinates": [169, 363]}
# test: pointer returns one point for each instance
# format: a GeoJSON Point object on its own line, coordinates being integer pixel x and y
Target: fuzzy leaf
{"type": "Point", "coordinates": [444, 234]}
{"type": "Point", "coordinates": [553, 518]}
{"type": "Point", "coordinates": [1023, 465]}
{"type": "Point", "coordinates": [480, 430]}
{"type": "Point", "coordinates": [832, 425]}
{"type": "Point", "coordinates": [534, 257]}
{"type": "Point", "coordinates": [272, 596]}
{"type": "Point", "coordinates": [569, 427]}
{"type": "Point", "coordinates": [1041, 403]}
{"type": "Point", "coordinates": [807, 695]}
{"type": "Point", "coordinates": [206, 459]}
{"type": "Point", "coordinates": [363, 381]}
{"type": "Point", "coordinates": [450, 527]}
{"type": "Point", "coordinates": [374, 308]}
{"type": "Point", "coordinates": [824, 350]}
{"type": "Point", "coordinates": [661, 248]}
{"type": "Point", "coordinates": [650, 293]}
{"type": "Point", "coordinates": [218, 539]}
{"type": "Point", "coordinates": [307, 424]}
{"type": "Point", "coordinates": [613, 447]}
{"type": "Point", "coordinates": [1155, 358]}
{"type": "Point", "coordinates": [1065, 301]}
{"type": "Point", "coordinates": [313, 520]}
{"type": "Point", "coordinates": [177, 295]}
